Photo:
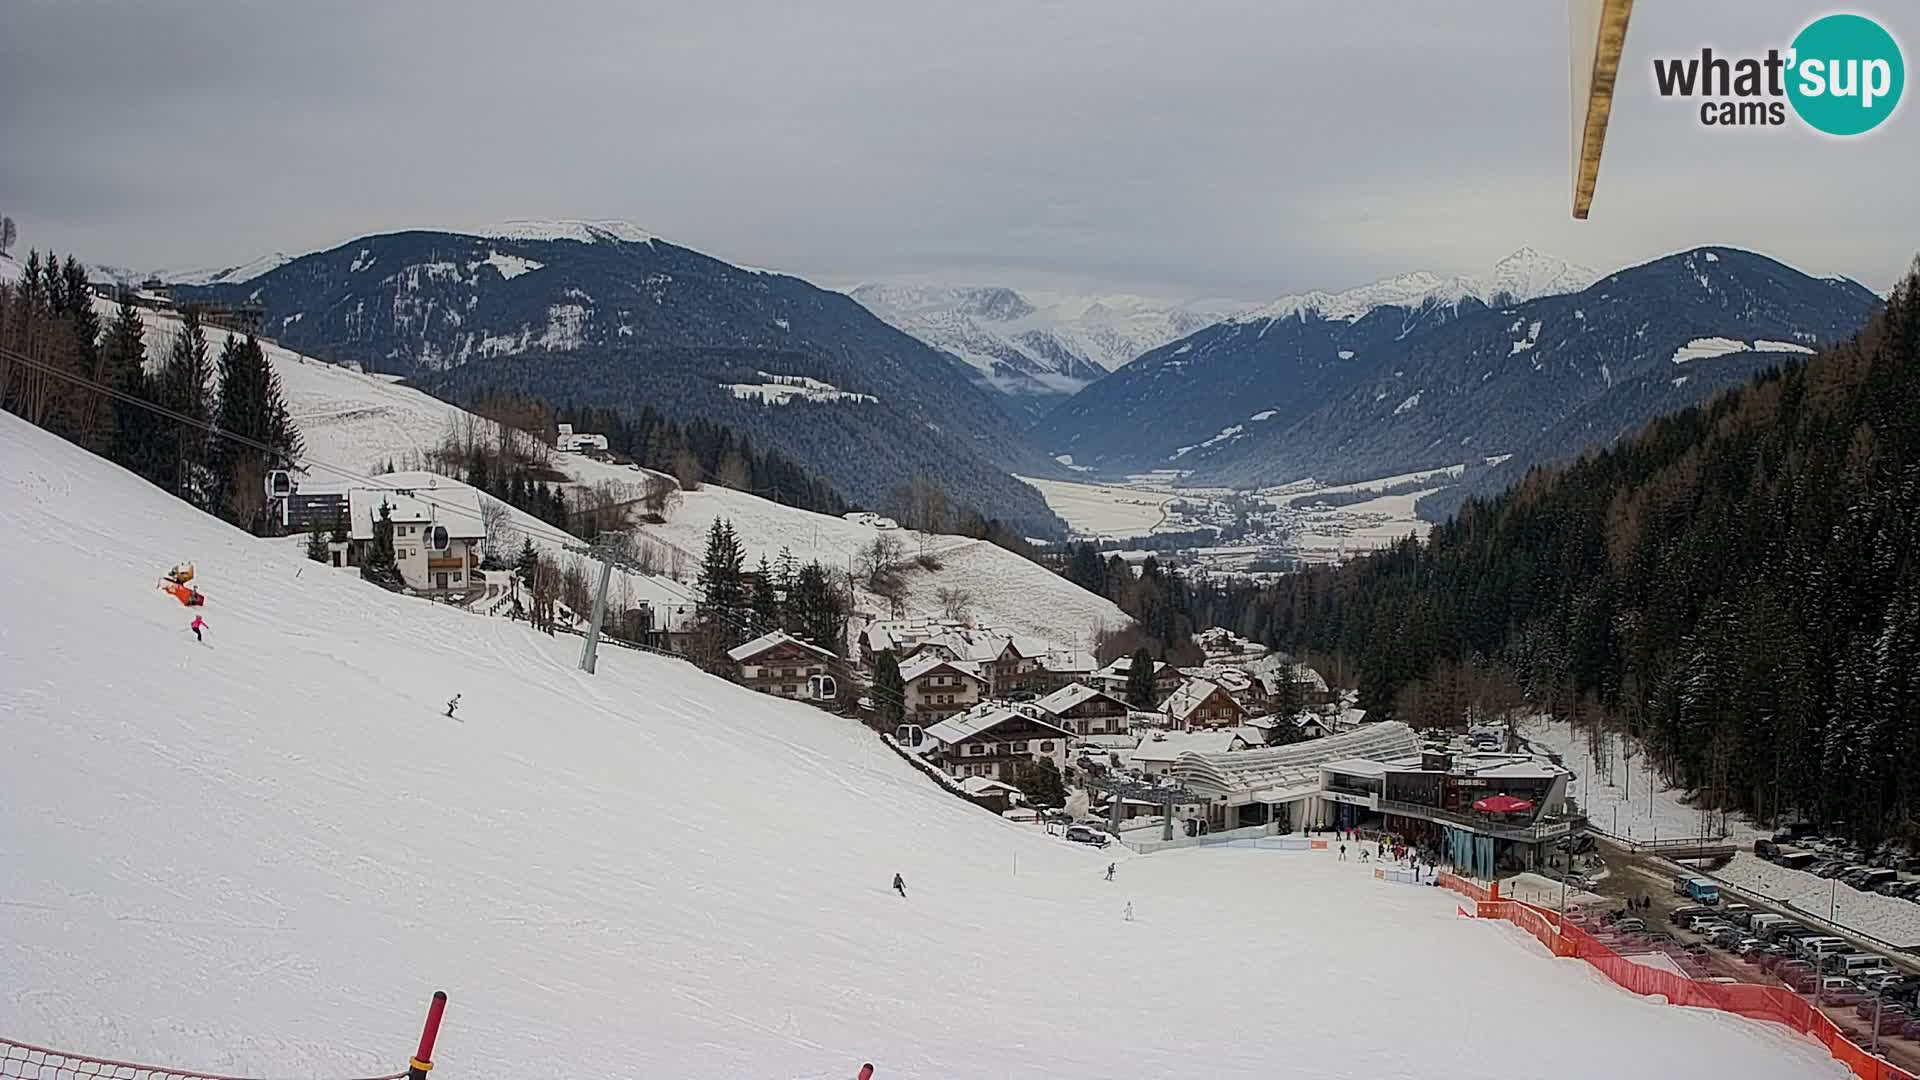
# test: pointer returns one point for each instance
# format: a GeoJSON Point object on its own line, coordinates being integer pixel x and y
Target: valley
{"type": "Point", "coordinates": [1244, 533]}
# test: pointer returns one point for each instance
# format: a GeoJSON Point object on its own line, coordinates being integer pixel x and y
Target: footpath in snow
{"type": "Point", "coordinates": [259, 856]}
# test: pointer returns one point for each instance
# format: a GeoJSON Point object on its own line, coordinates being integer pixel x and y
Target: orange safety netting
{"type": "Point", "coordinates": [1775, 1003]}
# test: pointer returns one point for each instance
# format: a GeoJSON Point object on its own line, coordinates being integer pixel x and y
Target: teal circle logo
{"type": "Point", "coordinates": [1847, 74]}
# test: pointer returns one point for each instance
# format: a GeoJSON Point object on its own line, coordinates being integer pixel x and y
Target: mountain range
{"type": "Point", "coordinates": [1035, 347]}
{"type": "Point", "coordinates": [604, 313]}
{"type": "Point", "coordinates": [1531, 362]}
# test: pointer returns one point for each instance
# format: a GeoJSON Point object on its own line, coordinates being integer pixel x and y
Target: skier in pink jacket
{"type": "Point", "coordinates": [196, 626]}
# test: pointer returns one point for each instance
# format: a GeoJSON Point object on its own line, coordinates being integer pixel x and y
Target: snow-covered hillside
{"type": "Point", "coordinates": [1006, 591]}
{"type": "Point", "coordinates": [358, 423]}
{"type": "Point", "coordinates": [1034, 342]}
{"type": "Point", "coordinates": [260, 855]}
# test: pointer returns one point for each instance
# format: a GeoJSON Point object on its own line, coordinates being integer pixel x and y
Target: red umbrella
{"type": "Point", "coordinates": [1502, 804]}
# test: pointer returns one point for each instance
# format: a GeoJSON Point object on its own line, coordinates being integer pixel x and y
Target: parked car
{"type": "Point", "coordinates": [1679, 916]}
{"type": "Point", "coordinates": [1908, 1030]}
{"type": "Point", "coordinates": [1630, 926]}
{"type": "Point", "coordinates": [1828, 869]}
{"type": "Point", "coordinates": [1772, 957]}
{"type": "Point", "coordinates": [1729, 937]}
{"type": "Point", "coordinates": [1087, 834]}
{"type": "Point", "coordinates": [1738, 914]}
{"type": "Point", "coordinates": [1796, 860]}
{"type": "Point", "coordinates": [1837, 990]}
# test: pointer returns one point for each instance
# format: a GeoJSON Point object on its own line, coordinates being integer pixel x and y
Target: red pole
{"type": "Point", "coordinates": [422, 1062]}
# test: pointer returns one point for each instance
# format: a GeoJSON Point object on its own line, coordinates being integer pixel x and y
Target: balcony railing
{"type": "Point", "coordinates": [1481, 823]}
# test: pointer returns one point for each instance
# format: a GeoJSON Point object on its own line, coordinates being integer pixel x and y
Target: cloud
{"type": "Point", "coordinates": [1220, 148]}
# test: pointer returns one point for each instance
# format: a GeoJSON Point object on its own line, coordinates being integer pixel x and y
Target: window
{"type": "Point", "coordinates": [976, 749]}
{"type": "Point", "coordinates": [1020, 748]}
{"type": "Point", "coordinates": [1046, 747]}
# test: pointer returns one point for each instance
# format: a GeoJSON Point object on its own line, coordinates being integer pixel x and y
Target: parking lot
{"type": "Point", "coordinates": [1720, 942]}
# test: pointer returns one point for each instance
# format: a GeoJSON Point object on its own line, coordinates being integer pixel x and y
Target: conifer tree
{"type": "Point", "coordinates": [526, 563]}
{"type": "Point", "coordinates": [317, 549]}
{"type": "Point", "coordinates": [817, 609]}
{"type": "Point", "coordinates": [124, 352]}
{"type": "Point", "coordinates": [380, 566]}
{"type": "Point", "coordinates": [1140, 693]}
{"type": "Point", "coordinates": [183, 386]}
{"type": "Point", "coordinates": [765, 600]}
{"type": "Point", "coordinates": [889, 691]}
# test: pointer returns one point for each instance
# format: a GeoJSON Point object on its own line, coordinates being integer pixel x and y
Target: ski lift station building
{"type": "Point", "coordinates": [1381, 776]}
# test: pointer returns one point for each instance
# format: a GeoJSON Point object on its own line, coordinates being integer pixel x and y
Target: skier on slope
{"type": "Point", "coordinates": [900, 886]}
{"type": "Point", "coordinates": [1110, 871]}
{"type": "Point", "coordinates": [198, 624]}
{"type": "Point", "coordinates": [452, 705]}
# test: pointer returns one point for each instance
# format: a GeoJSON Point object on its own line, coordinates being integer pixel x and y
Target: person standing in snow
{"type": "Point", "coordinates": [900, 886]}
{"type": "Point", "coordinates": [1343, 853]}
{"type": "Point", "coordinates": [451, 705]}
{"type": "Point", "coordinates": [1129, 914]}
{"type": "Point", "coordinates": [1110, 867]}
{"type": "Point", "coordinates": [198, 624]}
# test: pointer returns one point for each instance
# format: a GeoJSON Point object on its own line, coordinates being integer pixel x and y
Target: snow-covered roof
{"type": "Point", "coordinates": [1358, 767]}
{"type": "Point", "coordinates": [927, 662]}
{"type": "Point", "coordinates": [740, 654]}
{"type": "Point", "coordinates": [1231, 679]}
{"type": "Point", "coordinates": [1123, 666]}
{"type": "Point", "coordinates": [1071, 695]}
{"type": "Point", "coordinates": [1184, 702]}
{"type": "Point", "coordinates": [1292, 767]}
{"type": "Point", "coordinates": [416, 499]}
{"type": "Point", "coordinates": [1171, 746]}
{"type": "Point", "coordinates": [980, 719]}
{"type": "Point", "coordinates": [1109, 742]}
{"type": "Point", "coordinates": [980, 785]}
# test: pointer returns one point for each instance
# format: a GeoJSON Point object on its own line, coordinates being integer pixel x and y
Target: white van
{"type": "Point", "coordinates": [1760, 924]}
{"type": "Point", "coordinates": [1815, 949]}
{"type": "Point", "coordinates": [1853, 964]}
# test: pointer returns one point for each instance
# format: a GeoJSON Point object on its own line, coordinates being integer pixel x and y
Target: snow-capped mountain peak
{"type": "Point", "coordinates": [1524, 275]}
{"type": "Point", "coordinates": [585, 232]}
{"type": "Point", "coordinates": [1033, 344]}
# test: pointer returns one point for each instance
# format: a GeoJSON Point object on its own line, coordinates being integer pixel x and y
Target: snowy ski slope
{"type": "Point", "coordinates": [260, 856]}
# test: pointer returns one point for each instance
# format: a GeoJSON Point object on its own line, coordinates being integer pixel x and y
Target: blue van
{"type": "Point", "coordinates": [1697, 889]}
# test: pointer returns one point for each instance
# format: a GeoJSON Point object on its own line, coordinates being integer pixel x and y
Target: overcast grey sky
{"type": "Point", "coordinates": [1199, 148]}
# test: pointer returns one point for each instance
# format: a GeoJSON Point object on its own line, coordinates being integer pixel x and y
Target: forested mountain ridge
{"type": "Point", "coordinates": [607, 309]}
{"type": "Point", "coordinates": [1738, 585]}
{"type": "Point", "coordinates": [1408, 375]}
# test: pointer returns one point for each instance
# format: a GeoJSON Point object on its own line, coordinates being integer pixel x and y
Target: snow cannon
{"type": "Point", "coordinates": [181, 573]}
{"type": "Point", "coordinates": [186, 594]}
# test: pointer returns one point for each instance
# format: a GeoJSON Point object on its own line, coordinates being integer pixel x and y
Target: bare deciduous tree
{"type": "Point", "coordinates": [955, 603]}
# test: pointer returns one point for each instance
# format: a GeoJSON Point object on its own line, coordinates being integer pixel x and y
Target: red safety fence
{"type": "Point", "coordinates": [28, 1062]}
{"type": "Point", "coordinates": [1774, 1003]}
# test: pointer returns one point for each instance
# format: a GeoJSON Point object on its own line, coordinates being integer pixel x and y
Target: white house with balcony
{"type": "Point", "coordinates": [437, 530]}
